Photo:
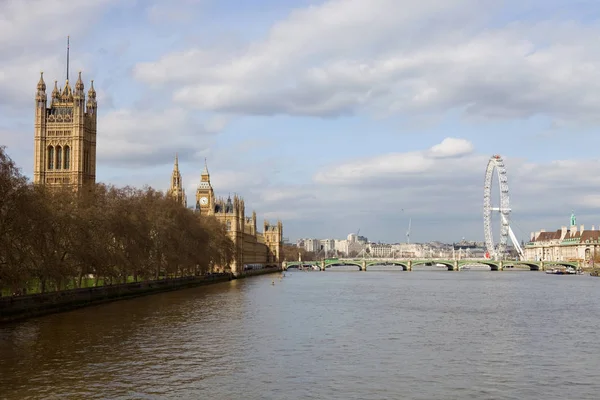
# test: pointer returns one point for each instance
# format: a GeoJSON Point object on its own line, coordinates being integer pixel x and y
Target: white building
{"type": "Point", "coordinates": [312, 245]}
{"type": "Point", "coordinates": [379, 250]}
{"type": "Point", "coordinates": [328, 244]}
{"type": "Point", "coordinates": [565, 244]}
{"type": "Point", "coordinates": [341, 246]}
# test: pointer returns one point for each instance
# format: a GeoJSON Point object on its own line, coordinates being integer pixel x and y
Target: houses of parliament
{"type": "Point", "coordinates": [65, 155]}
{"type": "Point", "coordinates": [251, 247]}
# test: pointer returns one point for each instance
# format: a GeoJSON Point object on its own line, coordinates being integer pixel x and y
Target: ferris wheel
{"type": "Point", "coordinates": [497, 251]}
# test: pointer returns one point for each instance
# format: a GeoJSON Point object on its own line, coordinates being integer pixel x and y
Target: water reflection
{"type": "Point", "coordinates": [344, 335]}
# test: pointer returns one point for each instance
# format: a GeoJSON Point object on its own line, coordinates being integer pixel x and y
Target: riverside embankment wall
{"type": "Point", "coordinates": [23, 307]}
{"type": "Point", "coordinates": [255, 272]}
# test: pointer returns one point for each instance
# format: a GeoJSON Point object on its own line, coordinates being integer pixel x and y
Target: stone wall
{"type": "Point", "coordinates": [21, 307]}
{"type": "Point", "coordinates": [254, 272]}
{"type": "Point", "coordinates": [255, 252]}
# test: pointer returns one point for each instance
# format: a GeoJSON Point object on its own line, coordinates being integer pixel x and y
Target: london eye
{"type": "Point", "coordinates": [497, 251]}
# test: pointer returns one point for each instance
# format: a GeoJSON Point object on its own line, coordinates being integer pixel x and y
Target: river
{"type": "Point", "coordinates": [321, 335]}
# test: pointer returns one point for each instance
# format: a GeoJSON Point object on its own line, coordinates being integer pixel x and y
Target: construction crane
{"type": "Point", "coordinates": [408, 231]}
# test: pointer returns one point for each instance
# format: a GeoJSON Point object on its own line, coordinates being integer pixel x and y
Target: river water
{"type": "Point", "coordinates": [321, 335]}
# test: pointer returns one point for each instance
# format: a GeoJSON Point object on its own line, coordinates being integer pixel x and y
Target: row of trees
{"type": "Point", "coordinates": [291, 252]}
{"type": "Point", "coordinates": [56, 238]}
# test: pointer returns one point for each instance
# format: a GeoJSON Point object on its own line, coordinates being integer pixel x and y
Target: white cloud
{"type": "Point", "coordinates": [151, 137]}
{"type": "Point", "coordinates": [382, 57]}
{"type": "Point", "coordinates": [451, 147]}
{"type": "Point", "coordinates": [29, 21]}
{"type": "Point", "coordinates": [394, 166]}
{"type": "Point", "coordinates": [423, 57]}
{"type": "Point", "coordinates": [33, 36]}
{"type": "Point", "coordinates": [440, 192]}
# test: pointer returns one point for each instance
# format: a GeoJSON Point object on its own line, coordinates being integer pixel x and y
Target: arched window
{"type": "Point", "coordinates": [67, 157]}
{"type": "Point", "coordinates": [228, 226]}
{"type": "Point", "coordinates": [58, 157]}
{"type": "Point", "coordinates": [50, 157]}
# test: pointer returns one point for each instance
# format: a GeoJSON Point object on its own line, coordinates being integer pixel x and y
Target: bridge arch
{"type": "Point", "coordinates": [448, 264]}
{"type": "Point", "coordinates": [404, 265]}
{"type": "Point", "coordinates": [343, 263]}
{"type": "Point", "coordinates": [532, 265]}
{"type": "Point", "coordinates": [562, 263]}
{"type": "Point", "coordinates": [494, 265]}
{"type": "Point", "coordinates": [297, 264]}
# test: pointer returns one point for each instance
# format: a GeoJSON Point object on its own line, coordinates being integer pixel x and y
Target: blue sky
{"type": "Point", "coordinates": [325, 113]}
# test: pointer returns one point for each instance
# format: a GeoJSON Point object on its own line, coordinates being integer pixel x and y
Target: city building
{"type": "Point", "coordinates": [380, 250]}
{"type": "Point", "coordinates": [251, 246]}
{"type": "Point", "coordinates": [65, 135]}
{"type": "Point", "coordinates": [566, 244]}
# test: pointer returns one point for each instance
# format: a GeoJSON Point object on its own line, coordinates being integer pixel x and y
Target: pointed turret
{"type": "Point", "coordinates": [92, 105]}
{"type": "Point", "coordinates": [41, 86]}
{"type": "Point", "coordinates": [55, 93]}
{"type": "Point", "coordinates": [40, 97]}
{"type": "Point", "coordinates": [79, 87]}
{"type": "Point", "coordinates": [229, 205]}
{"type": "Point", "coordinates": [92, 91]}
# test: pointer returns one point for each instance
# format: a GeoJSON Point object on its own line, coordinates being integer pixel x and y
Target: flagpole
{"type": "Point", "coordinates": [68, 37]}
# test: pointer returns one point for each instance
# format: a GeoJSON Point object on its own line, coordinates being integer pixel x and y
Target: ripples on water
{"type": "Point", "coordinates": [332, 335]}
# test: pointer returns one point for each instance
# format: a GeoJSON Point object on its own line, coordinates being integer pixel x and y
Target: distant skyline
{"type": "Point", "coordinates": [331, 115]}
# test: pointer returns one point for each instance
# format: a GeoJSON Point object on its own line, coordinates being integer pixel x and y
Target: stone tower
{"type": "Point", "coordinates": [65, 135]}
{"type": "Point", "coordinates": [205, 196]}
{"type": "Point", "coordinates": [176, 190]}
{"type": "Point", "coordinates": [274, 240]}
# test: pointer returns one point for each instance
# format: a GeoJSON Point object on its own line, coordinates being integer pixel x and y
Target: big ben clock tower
{"type": "Point", "coordinates": [205, 197]}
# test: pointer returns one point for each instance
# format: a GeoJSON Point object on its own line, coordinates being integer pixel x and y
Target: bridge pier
{"type": "Point", "coordinates": [455, 266]}
{"type": "Point", "coordinates": [409, 265]}
{"type": "Point", "coordinates": [284, 266]}
{"type": "Point", "coordinates": [542, 266]}
{"type": "Point", "coordinates": [323, 265]}
{"type": "Point", "coordinates": [363, 266]}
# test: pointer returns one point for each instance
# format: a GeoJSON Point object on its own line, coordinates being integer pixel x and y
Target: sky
{"type": "Point", "coordinates": [332, 116]}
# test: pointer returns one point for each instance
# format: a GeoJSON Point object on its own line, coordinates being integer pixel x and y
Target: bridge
{"type": "Point", "coordinates": [408, 264]}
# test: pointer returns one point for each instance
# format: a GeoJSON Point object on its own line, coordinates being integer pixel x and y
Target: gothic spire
{"type": "Point", "coordinates": [176, 190]}
{"type": "Point", "coordinates": [41, 86]}
{"type": "Point", "coordinates": [205, 171]}
{"type": "Point", "coordinates": [79, 84]}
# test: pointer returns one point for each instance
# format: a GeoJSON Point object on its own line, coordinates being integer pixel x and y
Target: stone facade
{"type": "Point", "coordinates": [65, 135]}
{"type": "Point", "coordinates": [565, 244]}
{"type": "Point", "coordinates": [251, 246]}
{"type": "Point", "coordinates": [176, 190]}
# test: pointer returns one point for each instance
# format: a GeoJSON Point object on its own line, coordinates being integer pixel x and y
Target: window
{"type": "Point", "coordinates": [228, 226]}
{"type": "Point", "coordinates": [58, 157]}
{"type": "Point", "coordinates": [67, 157]}
{"type": "Point", "coordinates": [50, 157]}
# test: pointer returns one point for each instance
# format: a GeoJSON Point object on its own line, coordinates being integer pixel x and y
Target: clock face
{"type": "Point", "coordinates": [203, 201]}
